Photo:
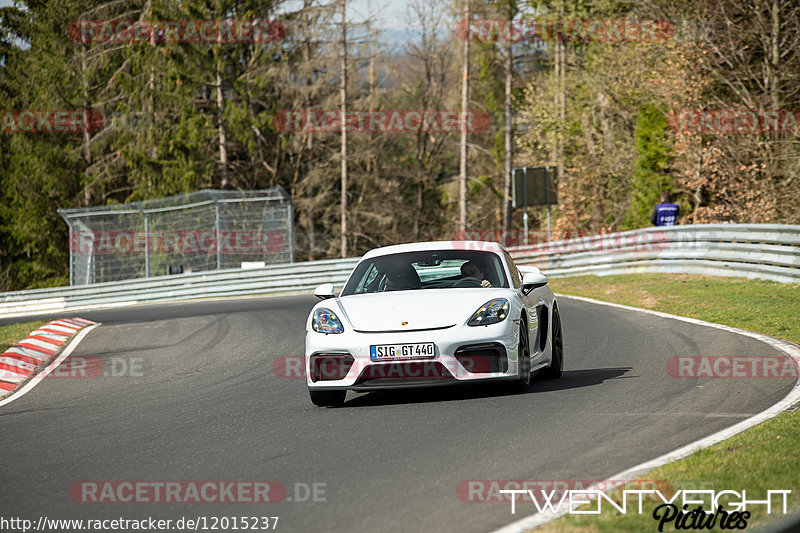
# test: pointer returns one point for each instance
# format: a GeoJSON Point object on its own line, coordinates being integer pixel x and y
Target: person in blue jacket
{"type": "Point", "coordinates": [665, 213]}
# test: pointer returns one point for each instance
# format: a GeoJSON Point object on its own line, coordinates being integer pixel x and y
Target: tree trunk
{"type": "Point", "coordinates": [462, 175]}
{"type": "Point", "coordinates": [343, 94]}
{"type": "Point", "coordinates": [223, 151]}
{"type": "Point", "coordinates": [508, 160]}
{"type": "Point", "coordinates": [87, 137]}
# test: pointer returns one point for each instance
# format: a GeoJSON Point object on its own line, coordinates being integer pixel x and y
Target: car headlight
{"type": "Point", "coordinates": [491, 312]}
{"type": "Point", "coordinates": [326, 321]}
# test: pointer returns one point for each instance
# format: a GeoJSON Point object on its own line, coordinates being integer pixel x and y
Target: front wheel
{"type": "Point", "coordinates": [556, 367]}
{"type": "Point", "coordinates": [327, 398]}
{"type": "Point", "coordinates": [523, 381]}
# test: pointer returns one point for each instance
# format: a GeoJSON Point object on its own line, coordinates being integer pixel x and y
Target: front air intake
{"type": "Point", "coordinates": [483, 358]}
{"type": "Point", "coordinates": [330, 366]}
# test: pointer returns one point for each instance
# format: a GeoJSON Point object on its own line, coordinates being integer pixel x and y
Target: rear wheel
{"type": "Point", "coordinates": [523, 381]}
{"type": "Point", "coordinates": [327, 398]}
{"type": "Point", "coordinates": [556, 367]}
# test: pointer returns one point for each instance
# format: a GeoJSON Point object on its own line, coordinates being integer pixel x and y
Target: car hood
{"type": "Point", "coordinates": [420, 309]}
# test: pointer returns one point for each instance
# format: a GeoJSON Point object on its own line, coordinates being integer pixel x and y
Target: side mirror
{"type": "Point", "coordinates": [324, 291]}
{"type": "Point", "coordinates": [533, 280]}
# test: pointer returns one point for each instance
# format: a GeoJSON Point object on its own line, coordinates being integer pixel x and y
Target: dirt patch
{"type": "Point", "coordinates": [646, 299]}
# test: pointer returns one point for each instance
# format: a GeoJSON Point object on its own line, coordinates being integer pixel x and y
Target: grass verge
{"type": "Point", "coordinates": [765, 457]}
{"type": "Point", "coordinates": [13, 333]}
{"type": "Point", "coordinates": [763, 306]}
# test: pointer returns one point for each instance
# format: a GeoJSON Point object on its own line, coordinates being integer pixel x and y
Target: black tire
{"type": "Point", "coordinates": [327, 398]}
{"type": "Point", "coordinates": [523, 381]}
{"type": "Point", "coordinates": [556, 367]}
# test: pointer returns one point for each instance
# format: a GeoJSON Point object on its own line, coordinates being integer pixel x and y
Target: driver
{"type": "Point", "coordinates": [470, 269]}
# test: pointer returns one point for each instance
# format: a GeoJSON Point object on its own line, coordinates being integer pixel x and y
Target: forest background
{"type": "Point", "coordinates": [609, 113]}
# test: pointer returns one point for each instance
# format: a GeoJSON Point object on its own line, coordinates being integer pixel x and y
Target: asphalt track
{"type": "Point", "coordinates": [205, 404]}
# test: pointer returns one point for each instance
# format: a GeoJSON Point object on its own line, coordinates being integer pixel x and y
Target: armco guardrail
{"type": "Point", "coordinates": [290, 277]}
{"type": "Point", "coordinates": [753, 251]}
{"type": "Point", "coordinates": [761, 251]}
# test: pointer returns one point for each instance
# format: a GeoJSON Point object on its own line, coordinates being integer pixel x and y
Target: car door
{"type": "Point", "coordinates": [531, 302]}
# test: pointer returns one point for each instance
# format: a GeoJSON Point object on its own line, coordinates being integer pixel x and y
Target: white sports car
{"type": "Point", "coordinates": [432, 313]}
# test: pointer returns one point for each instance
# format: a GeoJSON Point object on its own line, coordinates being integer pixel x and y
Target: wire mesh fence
{"type": "Point", "coordinates": [198, 231]}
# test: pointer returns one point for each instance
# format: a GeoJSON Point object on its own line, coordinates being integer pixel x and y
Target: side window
{"type": "Point", "coordinates": [516, 279]}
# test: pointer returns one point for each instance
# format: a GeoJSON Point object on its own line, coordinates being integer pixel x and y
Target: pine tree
{"type": "Point", "coordinates": [651, 174]}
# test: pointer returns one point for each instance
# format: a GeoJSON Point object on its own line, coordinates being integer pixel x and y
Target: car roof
{"type": "Point", "coordinates": [467, 246]}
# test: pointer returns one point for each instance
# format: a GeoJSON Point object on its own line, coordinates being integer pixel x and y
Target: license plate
{"type": "Point", "coordinates": [394, 352]}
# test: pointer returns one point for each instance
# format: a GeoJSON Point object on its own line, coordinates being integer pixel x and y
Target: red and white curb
{"type": "Point", "coordinates": [26, 363]}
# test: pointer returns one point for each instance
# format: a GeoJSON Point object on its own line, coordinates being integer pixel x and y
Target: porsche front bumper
{"type": "Point", "coordinates": [463, 354]}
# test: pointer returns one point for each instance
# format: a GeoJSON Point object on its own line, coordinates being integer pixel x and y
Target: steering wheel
{"type": "Point", "coordinates": [467, 282]}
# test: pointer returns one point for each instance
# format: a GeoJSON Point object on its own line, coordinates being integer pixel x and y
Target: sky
{"type": "Point", "coordinates": [390, 14]}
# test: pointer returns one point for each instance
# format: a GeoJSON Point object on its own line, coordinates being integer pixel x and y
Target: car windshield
{"type": "Point", "coordinates": [440, 269]}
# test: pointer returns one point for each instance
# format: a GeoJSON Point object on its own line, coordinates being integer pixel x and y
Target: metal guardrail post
{"type": "Point", "coordinates": [71, 258]}
{"type": "Point", "coordinates": [290, 223]}
{"type": "Point", "coordinates": [146, 245]}
{"type": "Point", "coordinates": [217, 232]}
